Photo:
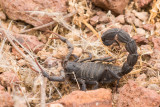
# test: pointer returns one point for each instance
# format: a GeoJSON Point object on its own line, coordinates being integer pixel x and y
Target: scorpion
{"type": "Point", "coordinates": [92, 72]}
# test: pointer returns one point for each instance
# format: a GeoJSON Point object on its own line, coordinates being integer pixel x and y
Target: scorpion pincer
{"type": "Point", "coordinates": [88, 71]}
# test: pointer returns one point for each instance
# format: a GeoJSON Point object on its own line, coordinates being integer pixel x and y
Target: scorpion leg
{"type": "Point", "coordinates": [117, 85]}
{"type": "Point", "coordinates": [89, 58]}
{"type": "Point", "coordinates": [113, 74]}
{"type": "Point", "coordinates": [83, 84]}
{"type": "Point", "coordinates": [95, 83]}
{"type": "Point", "coordinates": [107, 59]}
{"type": "Point", "coordinates": [54, 78]}
{"type": "Point", "coordinates": [76, 57]}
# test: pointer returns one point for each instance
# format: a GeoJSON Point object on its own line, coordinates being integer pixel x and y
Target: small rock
{"type": "Point", "coordinates": [148, 27]}
{"type": "Point", "coordinates": [142, 3]}
{"type": "Point", "coordinates": [77, 51]}
{"type": "Point", "coordinates": [141, 15]}
{"type": "Point", "coordinates": [5, 98]}
{"type": "Point", "coordinates": [94, 98]}
{"type": "Point", "coordinates": [29, 42]}
{"type": "Point", "coordinates": [129, 17]}
{"type": "Point", "coordinates": [140, 31]}
{"type": "Point", "coordinates": [2, 16]}
{"type": "Point", "coordinates": [154, 87]}
{"type": "Point", "coordinates": [113, 25]}
{"type": "Point", "coordinates": [127, 28]}
{"type": "Point", "coordinates": [9, 78]}
{"type": "Point", "coordinates": [94, 20]}
{"type": "Point", "coordinates": [140, 38]}
{"type": "Point", "coordinates": [51, 62]}
{"type": "Point", "coordinates": [116, 6]}
{"type": "Point", "coordinates": [101, 13]}
{"type": "Point", "coordinates": [103, 18]}
{"type": "Point", "coordinates": [156, 42]}
{"type": "Point", "coordinates": [137, 22]}
{"type": "Point", "coordinates": [155, 60]}
{"type": "Point", "coordinates": [60, 53]}
{"type": "Point", "coordinates": [120, 19]}
{"type": "Point", "coordinates": [100, 27]}
{"type": "Point", "coordinates": [131, 95]}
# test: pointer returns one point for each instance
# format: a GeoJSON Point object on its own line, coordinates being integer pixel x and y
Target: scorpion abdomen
{"type": "Point", "coordinates": [87, 70]}
{"type": "Point", "coordinates": [90, 71]}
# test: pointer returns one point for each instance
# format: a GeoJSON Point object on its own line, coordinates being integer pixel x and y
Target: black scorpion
{"type": "Point", "coordinates": [93, 72]}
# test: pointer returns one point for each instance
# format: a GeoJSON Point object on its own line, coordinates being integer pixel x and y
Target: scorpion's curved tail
{"type": "Point", "coordinates": [108, 38]}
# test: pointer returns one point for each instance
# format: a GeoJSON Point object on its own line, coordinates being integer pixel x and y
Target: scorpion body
{"type": "Point", "coordinates": [93, 72]}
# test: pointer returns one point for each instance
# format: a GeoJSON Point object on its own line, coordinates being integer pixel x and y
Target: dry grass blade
{"type": "Point", "coordinates": [25, 96]}
{"type": "Point", "coordinates": [154, 10]}
{"type": "Point", "coordinates": [43, 93]}
{"type": "Point", "coordinates": [2, 46]}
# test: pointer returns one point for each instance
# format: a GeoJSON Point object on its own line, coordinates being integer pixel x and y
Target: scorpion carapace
{"type": "Point", "coordinates": [88, 71]}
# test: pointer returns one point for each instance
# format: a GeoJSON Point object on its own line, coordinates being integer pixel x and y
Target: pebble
{"type": "Point", "coordinates": [140, 31]}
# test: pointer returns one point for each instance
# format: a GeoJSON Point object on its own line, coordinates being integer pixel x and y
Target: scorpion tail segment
{"type": "Point", "coordinates": [108, 37]}
{"type": "Point", "coordinates": [123, 36]}
{"type": "Point", "coordinates": [131, 47]}
{"type": "Point", "coordinates": [132, 59]}
{"type": "Point", "coordinates": [125, 69]}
